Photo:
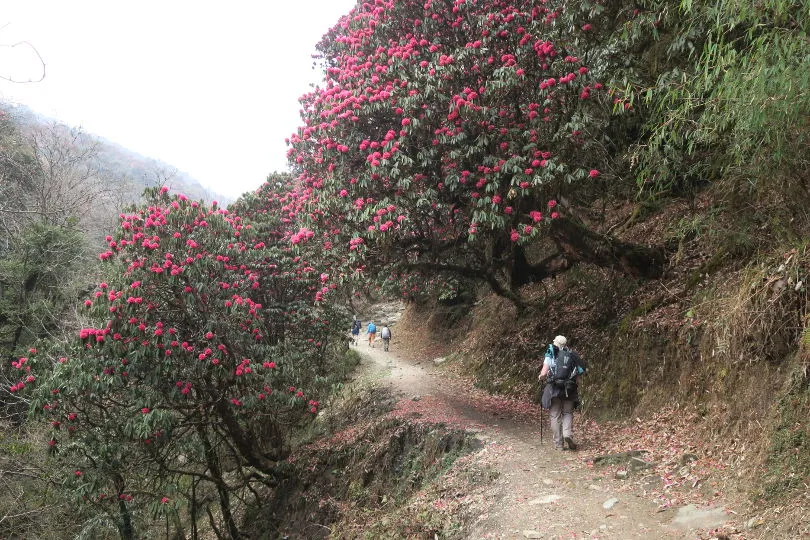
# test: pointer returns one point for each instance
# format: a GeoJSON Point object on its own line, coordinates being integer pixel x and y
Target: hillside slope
{"type": "Point", "coordinates": [131, 171]}
{"type": "Point", "coordinates": [716, 350]}
{"type": "Point", "coordinates": [414, 450]}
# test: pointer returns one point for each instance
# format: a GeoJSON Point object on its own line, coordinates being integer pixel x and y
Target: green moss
{"type": "Point", "coordinates": [16, 448]}
{"type": "Point", "coordinates": [788, 462]}
{"type": "Point", "coordinates": [356, 491]}
{"type": "Point", "coordinates": [707, 268]}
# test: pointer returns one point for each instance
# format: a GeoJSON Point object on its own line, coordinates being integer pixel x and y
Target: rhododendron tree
{"type": "Point", "coordinates": [203, 351]}
{"type": "Point", "coordinates": [445, 133]}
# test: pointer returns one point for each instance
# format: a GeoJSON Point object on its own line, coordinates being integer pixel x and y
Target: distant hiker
{"type": "Point", "coordinates": [372, 333]}
{"type": "Point", "coordinates": [355, 329]}
{"type": "Point", "coordinates": [561, 367]}
{"type": "Point", "coordinates": [385, 335]}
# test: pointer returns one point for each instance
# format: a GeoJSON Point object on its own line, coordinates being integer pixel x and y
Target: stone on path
{"type": "Point", "coordinates": [618, 458]}
{"type": "Point", "coordinates": [439, 360]}
{"type": "Point", "coordinates": [754, 522]}
{"type": "Point", "coordinates": [532, 534]}
{"type": "Point", "coordinates": [637, 464]}
{"type": "Point", "coordinates": [548, 499]}
{"type": "Point", "coordinates": [610, 503]}
{"type": "Point", "coordinates": [416, 398]}
{"type": "Point", "coordinates": [690, 516]}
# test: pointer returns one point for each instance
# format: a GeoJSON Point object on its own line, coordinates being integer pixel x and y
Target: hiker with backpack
{"type": "Point", "coordinates": [355, 329]}
{"type": "Point", "coordinates": [372, 333]}
{"type": "Point", "coordinates": [385, 335]}
{"type": "Point", "coordinates": [561, 368]}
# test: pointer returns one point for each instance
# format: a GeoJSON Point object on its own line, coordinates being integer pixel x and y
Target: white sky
{"type": "Point", "coordinates": [209, 87]}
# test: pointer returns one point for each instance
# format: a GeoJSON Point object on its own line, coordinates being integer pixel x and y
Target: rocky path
{"type": "Point", "coordinates": [538, 492]}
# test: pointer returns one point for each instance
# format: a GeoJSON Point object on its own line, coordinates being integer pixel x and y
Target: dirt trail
{"type": "Point", "coordinates": [539, 492]}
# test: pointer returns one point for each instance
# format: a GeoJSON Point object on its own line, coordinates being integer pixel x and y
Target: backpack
{"type": "Point", "coordinates": [356, 325]}
{"type": "Point", "coordinates": [386, 333]}
{"type": "Point", "coordinates": [565, 370]}
{"type": "Point", "coordinates": [372, 328]}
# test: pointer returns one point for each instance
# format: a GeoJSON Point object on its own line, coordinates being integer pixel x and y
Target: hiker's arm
{"type": "Point", "coordinates": [544, 371]}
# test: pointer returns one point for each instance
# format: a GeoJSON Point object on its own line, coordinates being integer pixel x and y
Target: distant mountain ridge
{"type": "Point", "coordinates": [135, 171]}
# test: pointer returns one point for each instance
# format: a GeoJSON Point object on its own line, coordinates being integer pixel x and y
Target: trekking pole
{"type": "Point", "coordinates": [542, 412]}
{"type": "Point", "coordinates": [583, 422]}
{"type": "Point", "coordinates": [542, 423]}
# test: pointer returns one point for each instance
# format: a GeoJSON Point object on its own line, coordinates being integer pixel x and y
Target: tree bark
{"type": "Point", "coordinates": [579, 243]}
{"type": "Point", "coordinates": [224, 497]}
{"type": "Point", "coordinates": [524, 272]}
{"type": "Point", "coordinates": [245, 442]}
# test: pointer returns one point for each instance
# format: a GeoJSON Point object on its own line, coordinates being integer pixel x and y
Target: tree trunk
{"type": "Point", "coordinates": [212, 460]}
{"type": "Point", "coordinates": [125, 525]}
{"type": "Point", "coordinates": [246, 443]}
{"type": "Point", "coordinates": [579, 243]}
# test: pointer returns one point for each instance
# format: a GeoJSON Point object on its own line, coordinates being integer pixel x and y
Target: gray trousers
{"type": "Point", "coordinates": [561, 415]}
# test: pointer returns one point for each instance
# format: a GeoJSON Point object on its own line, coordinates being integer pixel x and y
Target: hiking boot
{"type": "Point", "coordinates": [570, 442]}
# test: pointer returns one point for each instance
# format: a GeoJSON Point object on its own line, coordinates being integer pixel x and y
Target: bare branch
{"type": "Point", "coordinates": [9, 78]}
